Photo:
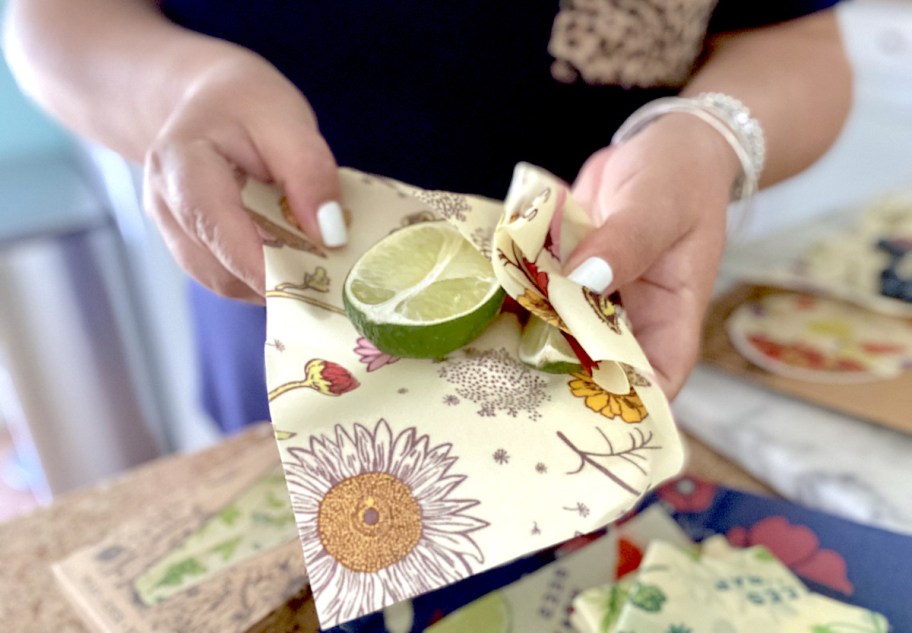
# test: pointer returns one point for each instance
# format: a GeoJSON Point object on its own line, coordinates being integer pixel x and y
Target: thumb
{"type": "Point", "coordinates": [629, 241]}
{"type": "Point", "coordinates": [301, 162]}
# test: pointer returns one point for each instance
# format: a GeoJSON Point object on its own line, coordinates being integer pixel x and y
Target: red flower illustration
{"type": "Point", "coordinates": [323, 376]}
{"type": "Point", "coordinates": [798, 548]}
{"type": "Point", "coordinates": [536, 276]}
{"type": "Point", "coordinates": [629, 557]}
{"type": "Point", "coordinates": [335, 377]}
{"type": "Point", "coordinates": [688, 495]}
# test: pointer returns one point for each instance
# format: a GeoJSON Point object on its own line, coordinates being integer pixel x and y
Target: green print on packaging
{"type": "Point", "coordinates": [647, 597]}
{"type": "Point", "coordinates": [614, 599]}
{"type": "Point", "coordinates": [677, 593]}
{"type": "Point", "coordinates": [256, 521]}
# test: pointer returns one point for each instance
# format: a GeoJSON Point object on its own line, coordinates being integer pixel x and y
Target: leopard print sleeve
{"type": "Point", "coordinates": [630, 43]}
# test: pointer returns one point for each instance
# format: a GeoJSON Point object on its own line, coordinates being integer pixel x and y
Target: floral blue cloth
{"type": "Point", "coordinates": [850, 562]}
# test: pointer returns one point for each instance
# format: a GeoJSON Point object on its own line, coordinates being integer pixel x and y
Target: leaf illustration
{"type": "Point", "coordinates": [175, 574]}
{"type": "Point", "coordinates": [229, 515]}
{"type": "Point", "coordinates": [614, 602]}
{"type": "Point", "coordinates": [647, 597]}
{"type": "Point", "coordinates": [227, 548]}
{"type": "Point", "coordinates": [276, 521]}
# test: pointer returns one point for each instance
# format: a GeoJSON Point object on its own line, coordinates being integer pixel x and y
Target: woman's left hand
{"type": "Point", "coordinates": [659, 201]}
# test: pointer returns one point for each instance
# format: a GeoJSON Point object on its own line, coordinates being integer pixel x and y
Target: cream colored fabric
{"type": "Point", "coordinates": [718, 589]}
{"type": "Point", "coordinates": [406, 475]}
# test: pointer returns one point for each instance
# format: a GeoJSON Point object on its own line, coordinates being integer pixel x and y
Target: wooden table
{"type": "Point", "coordinates": [30, 599]}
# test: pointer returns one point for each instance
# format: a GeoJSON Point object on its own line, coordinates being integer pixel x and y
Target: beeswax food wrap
{"type": "Point", "coordinates": [719, 589]}
{"type": "Point", "coordinates": [819, 339]}
{"type": "Point", "coordinates": [406, 475]}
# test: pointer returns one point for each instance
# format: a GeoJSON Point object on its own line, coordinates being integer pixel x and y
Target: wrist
{"type": "Point", "coordinates": [729, 119]}
{"type": "Point", "coordinates": [698, 148]}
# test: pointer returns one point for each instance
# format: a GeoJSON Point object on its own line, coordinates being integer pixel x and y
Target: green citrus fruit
{"type": "Point", "coordinates": [488, 614]}
{"type": "Point", "coordinates": [422, 292]}
{"type": "Point", "coordinates": [543, 347]}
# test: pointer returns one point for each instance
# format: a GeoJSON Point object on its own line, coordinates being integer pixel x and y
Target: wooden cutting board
{"type": "Point", "coordinates": [264, 589]}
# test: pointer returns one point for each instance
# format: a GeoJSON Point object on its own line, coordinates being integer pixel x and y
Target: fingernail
{"type": "Point", "coordinates": [332, 224]}
{"type": "Point", "coordinates": [594, 273]}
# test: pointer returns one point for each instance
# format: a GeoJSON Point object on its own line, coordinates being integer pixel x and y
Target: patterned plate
{"type": "Point", "coordinates": [820, 340]}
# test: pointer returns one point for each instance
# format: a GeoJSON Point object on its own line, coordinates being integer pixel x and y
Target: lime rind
{"type": "Point", "coordinates": [542, 346]}
{"type": "Point", "coordinates": [426, 341]}
{"type": "Point", "coordinates": [489, 614]}
{"type": "Point", "coordinates": [422, 292]}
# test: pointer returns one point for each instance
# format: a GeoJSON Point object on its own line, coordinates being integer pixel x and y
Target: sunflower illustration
{"type": "Point", "coordinates": [377, 518]}
{"type": "Point", "coordinates": [626, 406]}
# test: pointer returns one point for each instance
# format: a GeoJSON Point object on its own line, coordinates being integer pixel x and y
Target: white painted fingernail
{"type": "Point", "coordinates": [332, 224]}
{"type": "Point", "coordinates": [594, 273]}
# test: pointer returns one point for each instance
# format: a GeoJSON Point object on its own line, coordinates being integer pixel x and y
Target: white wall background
{"type": "Point", "coordinates": [873, 155]}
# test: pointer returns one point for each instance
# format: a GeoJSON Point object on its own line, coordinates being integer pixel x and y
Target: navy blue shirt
{"type": "Point", "coordinates": [441, 95]}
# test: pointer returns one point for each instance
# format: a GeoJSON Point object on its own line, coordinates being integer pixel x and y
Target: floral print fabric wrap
{"type": "Point", "coordinates": [406, 475]}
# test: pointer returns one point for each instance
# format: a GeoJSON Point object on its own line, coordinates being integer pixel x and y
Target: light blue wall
{"type": "Point", "coordinates": [24, 129]}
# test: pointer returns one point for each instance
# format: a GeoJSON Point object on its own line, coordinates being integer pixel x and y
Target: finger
{"type": "Point", "coordinates": [198, 187]}
{"type": "Point", "coordinates": [302, 164]}
{"type": "Point", "coordinates": [667, 326]}
{"type": "Point", "coordinates": [633, 236]}
{"type": "Point", "coordinates": [633, 230]}
{"type": "Point", "coordinates": [191, 255]}
{"type": "Point", "coordinates": [586, 186]}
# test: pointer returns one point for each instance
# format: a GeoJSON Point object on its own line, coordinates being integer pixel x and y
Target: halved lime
{"type": "Point", "coordinates": [543, 347]}
{"type": "Point", "coordinates": [422, 292]}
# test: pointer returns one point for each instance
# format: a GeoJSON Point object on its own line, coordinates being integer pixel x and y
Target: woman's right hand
{"type": "Point", "coordinates": [196, 110]}
{"type": "Point", "coordinates": [237, 114]}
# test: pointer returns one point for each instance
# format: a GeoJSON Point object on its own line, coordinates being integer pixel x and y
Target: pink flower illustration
{"type": "Point", "coordinates": [798, 548]}
{"type": "Point", "coordinates": [371, 356]}
{"type": "Point", "coordinates": [688, 495]}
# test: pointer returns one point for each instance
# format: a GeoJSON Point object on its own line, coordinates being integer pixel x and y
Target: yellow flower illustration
{"type": "Point", "coordinates": [627, 406]}
{"type": "Point", "coordinates": [541, 307]}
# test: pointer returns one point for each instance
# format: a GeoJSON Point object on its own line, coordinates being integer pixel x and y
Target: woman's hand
{"type": "Point", "coordinates": [195, 109]}
{"type": "Point", "coordinates": [237, 114]}
{"type": "Point", "coordinates": [660, 198]}
{"type": "Point", "coordinates": [659, 201]}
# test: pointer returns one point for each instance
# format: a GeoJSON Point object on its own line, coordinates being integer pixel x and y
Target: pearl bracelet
{"type": "Point", "coordinates": [730, 118]}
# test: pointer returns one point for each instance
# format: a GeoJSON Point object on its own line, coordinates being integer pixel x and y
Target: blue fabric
{"type": "Point", "coordinates": [433, 606]}
{"type": "Point", "coordinates": [874, 562]}
{"type": "Point", "coordinates": [733, 15]}
{"type": "Point", "coordinates": [229, 343]}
